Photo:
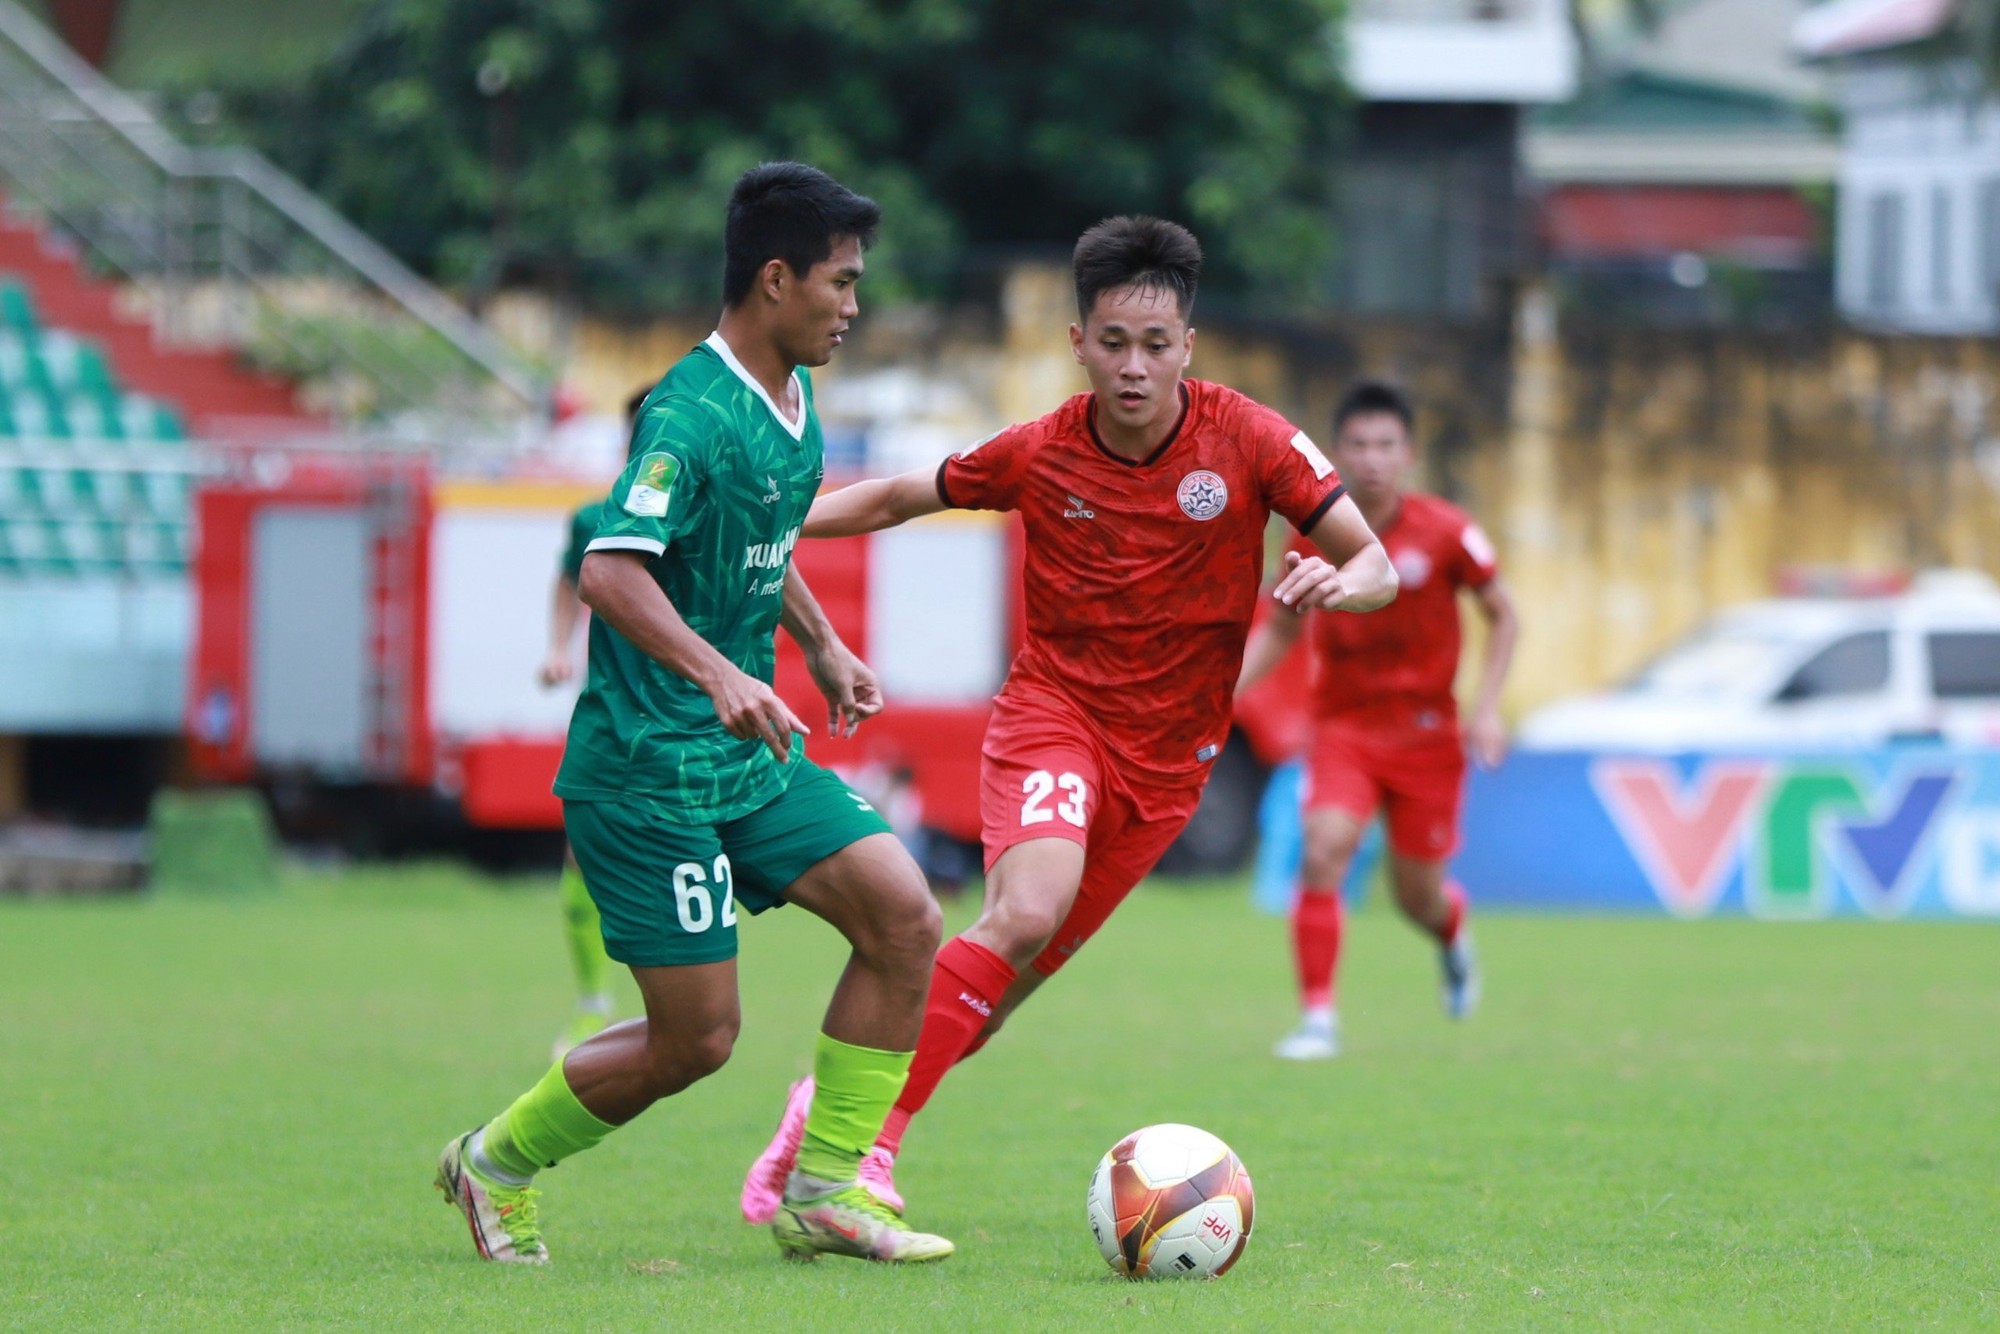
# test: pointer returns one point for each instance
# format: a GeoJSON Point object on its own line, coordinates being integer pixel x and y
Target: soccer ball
{"type": "Point", "coordinates": [1170, 1201]}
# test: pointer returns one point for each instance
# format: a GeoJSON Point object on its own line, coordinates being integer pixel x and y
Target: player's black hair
{"type": "Point", "coordinates": [1134, 249]}
{"type": "Point", "coordinates": [1365, 396]}
{"type": "Point", "coordinates": [788, 211]}
{"type": "Point", "coordinates": [634, 403]}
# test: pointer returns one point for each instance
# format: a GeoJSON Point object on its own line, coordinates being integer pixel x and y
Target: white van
{"type": "Point", "coordinates": [1922, 666]}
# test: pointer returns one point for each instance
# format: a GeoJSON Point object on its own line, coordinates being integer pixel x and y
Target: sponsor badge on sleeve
{"type": "Point", "coordinates": [653, 487]}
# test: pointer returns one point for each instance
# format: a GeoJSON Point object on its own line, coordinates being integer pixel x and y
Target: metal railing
{"type": "Point", "coordinates": [222, 247]}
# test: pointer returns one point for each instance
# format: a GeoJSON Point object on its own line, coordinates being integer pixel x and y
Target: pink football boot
{"type": "Point", "coordinates": [764, 1186]}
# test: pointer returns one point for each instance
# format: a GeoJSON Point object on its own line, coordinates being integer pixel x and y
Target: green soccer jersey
{"type": "Point", "coordinates": [582, 527]}
{"type": "Point", "coordinates": [715, 490]}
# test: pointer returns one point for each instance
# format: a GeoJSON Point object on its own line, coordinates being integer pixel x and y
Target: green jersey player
{"type": "Point", "coordinates": [686, 792]}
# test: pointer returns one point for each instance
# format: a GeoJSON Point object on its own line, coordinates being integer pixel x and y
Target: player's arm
{"type": "Point", "coordinates": [1269, 643]}
{"type": "Point", "coordinates": [615, 584]}
{"type": "Point", "coordinates": [565, 613]}
{"type": "Point", "coordinates": [881, 502]}
{"type": "Point", "coordinates": [853, 694]}
{"type": "Point", "coordinates": [1355, 574]}
{"type": "Point", "coordinates": [1485, 733]}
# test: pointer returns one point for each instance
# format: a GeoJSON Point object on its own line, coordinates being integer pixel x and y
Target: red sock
{"type": "Point", "coordinates": [967, 981]}
{"type": "Point", "coordinates": [1316, 920]}
{"type": "Point", "coordinates": [1454, 918]}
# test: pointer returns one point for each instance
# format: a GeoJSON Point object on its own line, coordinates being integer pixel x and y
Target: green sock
{"type": "Point", "coordinates": [585, 936]}
{"type": "Point", "coordinates": [544, 1126]}
{"type": "Point", "coordinates": [853, 1090]}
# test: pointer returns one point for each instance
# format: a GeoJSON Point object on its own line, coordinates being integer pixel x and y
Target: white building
{"type": "Point", "coordinates": [1918, 231]}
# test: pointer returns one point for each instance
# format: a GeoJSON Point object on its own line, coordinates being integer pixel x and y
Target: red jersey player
{"type": "Point", "coordinates": [1386, 729]}
{"type": "Point", "coordinates": [1145, 503]}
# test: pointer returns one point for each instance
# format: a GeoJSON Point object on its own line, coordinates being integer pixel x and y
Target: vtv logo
{"type": "Point", "coordinates": [1797, 830]}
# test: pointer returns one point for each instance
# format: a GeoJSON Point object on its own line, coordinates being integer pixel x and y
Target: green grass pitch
{"type": "Point", "coordinates": [225, 1114]}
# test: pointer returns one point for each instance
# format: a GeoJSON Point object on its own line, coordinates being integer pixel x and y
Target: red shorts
{"type": "Point", "coordinates": [1043, 774]}
{"type": "Point", "coordinates": [1413, 770]}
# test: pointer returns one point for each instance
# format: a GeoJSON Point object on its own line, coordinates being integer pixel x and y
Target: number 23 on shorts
{"type": "Point", "coordinates": [1039, 786]}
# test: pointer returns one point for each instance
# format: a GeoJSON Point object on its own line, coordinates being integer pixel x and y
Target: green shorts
{"type": "Point", "coordinates": [668, 891]}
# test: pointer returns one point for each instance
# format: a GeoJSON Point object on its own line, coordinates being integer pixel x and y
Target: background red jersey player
{"type": "Point", "coordinates": [1145, 503]}
{"type": "Point", "coordinates": [1386, 734]}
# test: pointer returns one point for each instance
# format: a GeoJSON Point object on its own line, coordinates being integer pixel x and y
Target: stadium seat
{"type": "Point", "coordinates": [93, 416]}
{"type": "Point", "coordinates": [17, 311]}
{"type": "Point", "coordinates": [165, 495]}
{"type": "Point", "coordinates": [32, 418]}
{"type": "Point", "coordinates": [31, 542]}
{"type": "Point", "coordinates": [105, 489]}
{"type": "Point", "coordinates": [96, 483]}
{"type": "Point", "coordinates": [176, 542]}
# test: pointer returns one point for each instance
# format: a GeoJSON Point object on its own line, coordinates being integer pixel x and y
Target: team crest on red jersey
{"type": "Point", "coordinates": [1203, 495]}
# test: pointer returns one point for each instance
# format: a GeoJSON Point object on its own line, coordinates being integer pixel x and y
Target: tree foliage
{"type": "Point", "coordinates": [591, 143]}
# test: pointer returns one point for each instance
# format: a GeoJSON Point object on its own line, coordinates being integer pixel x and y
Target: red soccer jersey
{"type": "Point", "coordinates": [1405, 656]}
{"type": "Point", "coordinates": [1141, 576]}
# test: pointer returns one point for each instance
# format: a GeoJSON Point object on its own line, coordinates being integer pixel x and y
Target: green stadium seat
{"type": "Point", "coordinates": [63, 493]}
{"type": "Point", "coordinates": [31, 543]}
{"type": "Point", "coordinates": [95, 545]}
{"type": "Point", "coordinates": [175, 540]}
{"type": "Point", "coordinates": [13, 361]}
{"type": "Point", "coordinates": [77, 544]}
{"type": "Point", "coordinates": [93, 373]}
{"type": "Point", "coordinates": [17, 309]}
{"type": "Point", "coordinates": [98, 483]}
{"type": "Point", "coordinates": [149, 419]}
{"type": "Point", "coordinates": [107, 491]}
{"type": "Point", "coordinates": [57, 350]}
{"type": "Point", "coordinates": [166, 495]}
{"type": "Point", "coordinates": [38, 372]}
{"type": "Point", "coordinates": [32, 418]}
{"type": "Point", "coordinates": [91, 416]}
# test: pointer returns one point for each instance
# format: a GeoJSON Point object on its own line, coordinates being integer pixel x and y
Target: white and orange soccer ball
{"type": "Point", "coordinates": [1171, 1201]}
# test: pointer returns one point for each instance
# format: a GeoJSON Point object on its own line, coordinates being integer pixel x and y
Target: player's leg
{"type": "Point", "coordinates": [1437, 904]}
{"type": "Point", "coordinates": [681, 947]}
{"type": "Point", "coordinates": [1040, 796]}
{"type": "Point", "coordinates": [1029, 891]}
{"type": "Point", "coordinates": [584, 937]}
{"type": "Point", "coordinates": [1124, 849]}
{"type": "Point", "coordinates": [689, 1028]}
{"type": "Point", "coordinates": [1340, 800]}
{"type": "Point", "coordinates": [1038, 791]}
{"type": "Point", "coordinates": [1422, 810]}
{"type": "Point", "coordinates": [1318, 922]}
{"type": "Point", "coordinates": [825, 849]}
{"type": "Point", "coordinates": [968, 982]}
{"type": "Point", "coordinates": [1023, 886]}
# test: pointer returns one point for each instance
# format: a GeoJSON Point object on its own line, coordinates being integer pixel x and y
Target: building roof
{"type": "Point", "coordinates": [1714, 96]}
{"type": "Point", "coordinates": [1852, 27]}
{"type": "Point", "coordinates": [1739, 44]}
